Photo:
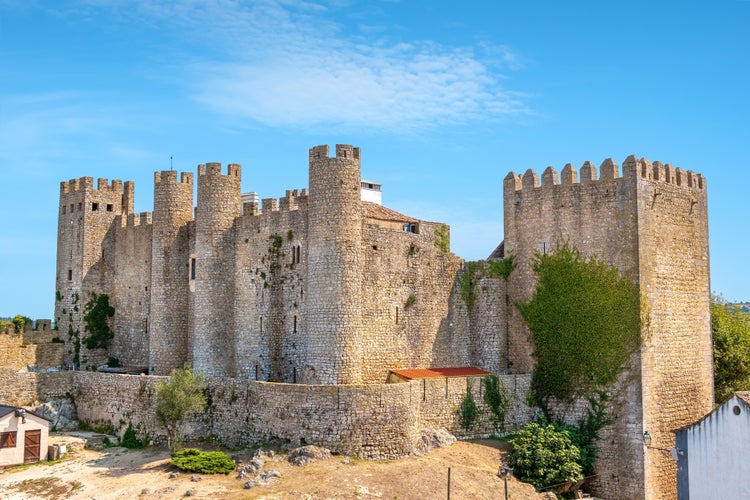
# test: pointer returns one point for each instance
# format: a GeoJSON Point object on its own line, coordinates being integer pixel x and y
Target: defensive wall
{"type": "Point", "coordinates": [650, 222]}
{"type": "Point", "coordinates": [379, 421]}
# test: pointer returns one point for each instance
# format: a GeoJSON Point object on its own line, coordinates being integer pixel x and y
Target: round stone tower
{"type": "Point", "coordinates": [219, 204]}
{"type": "Point", "coordinates": [170, 272]}
{"type": "Point", "coordinates": [334, 268]}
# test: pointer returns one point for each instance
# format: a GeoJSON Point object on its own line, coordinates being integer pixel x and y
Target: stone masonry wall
{"type": "Point", "coordinates": [407, 320]}
{"type": "Point", "coordinates": [599, 217]}
{"type": "Point", "coordinates": [24, 388]}
{"type": "Point", "coordinates": [169, 316]}
{"type": "Point", "coordinates": [677, 374]}
{"type": "Point", "coordinates": [219, 204]}
{"type": "Point", "coordinates": [380, 421]}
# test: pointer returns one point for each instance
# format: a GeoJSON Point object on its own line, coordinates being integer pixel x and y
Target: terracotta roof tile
{"type": "Point", "coordinates": [379, 212]}
{"type": "Point", "coordinates": [420, 373]}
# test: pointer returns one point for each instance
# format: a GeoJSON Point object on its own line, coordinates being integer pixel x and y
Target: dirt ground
{"type": "Point", "coordinates": [118, 473]}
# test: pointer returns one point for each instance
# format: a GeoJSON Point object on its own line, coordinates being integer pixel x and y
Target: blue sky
{"type": "Point", "coordinates": [444, 98]}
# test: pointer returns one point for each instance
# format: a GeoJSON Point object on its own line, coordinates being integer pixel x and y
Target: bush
{"type": "Point", "coordinates": [544, 455]}
{"type": "Point", "coordinates": [203, 462]}
{"type": "Point", "coordinates": [130, 439]}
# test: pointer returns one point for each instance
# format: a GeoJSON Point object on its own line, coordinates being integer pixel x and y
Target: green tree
{"type": "Point", "coordinates": [585, 324]}
{"type": "Point", "coordinates": [730, 327]}
{"type": "Point", "coordinates": [96, 314]}
{"type": "Point", "coordinates": [20, 322]}
{"type": "Point", "coordinates": [543, 455]}
{"type": "Point", "coordinates": [178, 398]}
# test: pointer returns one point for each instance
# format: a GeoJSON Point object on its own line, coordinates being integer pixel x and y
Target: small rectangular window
{"type": "Point", "coordinates": [8, 439]}
{"type": "Point", "coordinates": [192, 268]}
{"type": "Point", "coordinates": [110, 207]}
{"type": "Point", "coordinates": [261, 324]}
{"type": "Point", "coordinates": [70, 274]}
{"type": "Point", "coordinates": [94, 207]}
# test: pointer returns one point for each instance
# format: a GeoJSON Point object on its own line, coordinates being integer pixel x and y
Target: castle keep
{"type": "Point", "coordinates": [321, 288]}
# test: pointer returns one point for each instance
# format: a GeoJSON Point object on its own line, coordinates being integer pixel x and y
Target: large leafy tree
{"type": "Point", "coordinates": [731, 336]}
{"type": "Point", "coordinates": [585, 323]}
{"type": "Point", "coordinates": [177, 398]}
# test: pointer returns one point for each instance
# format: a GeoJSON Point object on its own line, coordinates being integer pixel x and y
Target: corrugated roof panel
{"type": "Point", "coordinates": [420, 373]}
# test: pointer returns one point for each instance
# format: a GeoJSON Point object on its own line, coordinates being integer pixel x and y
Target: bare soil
{"type": "Point", "coordinates": [118, 473]}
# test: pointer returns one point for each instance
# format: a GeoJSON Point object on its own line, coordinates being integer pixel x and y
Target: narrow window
{"type": "Point", "coordinates": [301, 293]}
{"type": "Point", "coordinates": [70, 274]}
{"type": "Point", "coordinates": [256, 372]}
{"type": "Point", "coordinates": [397, 315]}
{"type": "Point", "coordinates": [110, 207]}
{"type": "Point", "coordinates": [261, 324]}
{"type": "Point", "coordinates": [8, 439]}
{"type": "Point", "coordinates": [80, 207]}
{"type": "Point", "coordinates": [71, 208]}
{"type": "Point", "coordinates": [94, 207]}
{"type": "Point", "coordinates": [299, 254]}
{"type": "Point", "coordinates": [295, 324]}
{"type": "Point", "coordinates": [294, 375]}
{"type": "Point", "coordinates": [192, 268]}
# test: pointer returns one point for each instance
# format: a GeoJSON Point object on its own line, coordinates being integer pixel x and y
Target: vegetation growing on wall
{"type": "Point", "coordinates": [585, 323]}
{"type": "Point", "coordinates": [97, 312]}
{"type": "Point", "coordinates": [468, 411]}
{"type": "Point", "coordinates": [441, 238]}
{"type": "Point", "coordinates": [475, 270]}
{"type": "Point", "coordinates": [730, 327]}
{"type": "Point", "coordinates": [496, 400]}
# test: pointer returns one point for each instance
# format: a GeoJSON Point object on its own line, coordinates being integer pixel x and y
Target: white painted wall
{"type": "Point", "coordinates": [14, 456]}
{"type": "Point", "coordinates": [718, 453]}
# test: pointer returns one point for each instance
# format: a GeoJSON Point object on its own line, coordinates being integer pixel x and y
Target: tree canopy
{"type": "Point", "coordinates": [178, 398]}
{"type": "Point", "coordinates": [730, 327]}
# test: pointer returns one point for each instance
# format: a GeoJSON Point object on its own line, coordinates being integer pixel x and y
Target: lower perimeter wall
{"type": "Point", "coordinates": [373, 421]}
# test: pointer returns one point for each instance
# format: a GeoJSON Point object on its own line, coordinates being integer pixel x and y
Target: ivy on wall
{"type": "Point", "coordinates": [97, 312]}
{"type": "Point", "coordinates": [585, 323]}
{"type": "Point", "coordinates": [475, 270]}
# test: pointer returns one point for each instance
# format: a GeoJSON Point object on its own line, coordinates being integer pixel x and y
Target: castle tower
{"type": "Point", "coordinates": [651, 224]}
{"type": "Point", "coordinates": [219, 204]}
{"type": "Point", "coordinates": [170, 272]}
{"type": "Point", "coordinates": [334, 269]}
{"type": "Point", "coordinates": [86, 215]}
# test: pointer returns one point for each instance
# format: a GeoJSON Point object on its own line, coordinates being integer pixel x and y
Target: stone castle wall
{"type": "Point", "coordinates": [24, 388]}
{"type": "Point", "coordinates": [677, 373]}
{"type": "Point", "coordinates": [650, 223]}
{"type": "Point", "coordinates": [379, 421]}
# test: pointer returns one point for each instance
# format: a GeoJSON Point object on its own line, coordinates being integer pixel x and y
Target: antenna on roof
{"type": "Point", "coordinates": [171, 167]}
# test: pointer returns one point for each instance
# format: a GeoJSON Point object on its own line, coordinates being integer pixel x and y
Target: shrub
{"type": "Point", "coordinates": [203, 462]}
{"type": "Point", "coordinates": [130, 439]}
{"type": "Point", "coordinates": [468, 411]}
{"type": "Point", "coordinates": [544, 455]}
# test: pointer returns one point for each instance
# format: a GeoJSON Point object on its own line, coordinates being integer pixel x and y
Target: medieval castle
{"type": "Point", "coordinates": [323, 289]}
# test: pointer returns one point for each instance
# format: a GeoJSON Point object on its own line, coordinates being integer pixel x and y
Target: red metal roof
{"type": "Point", "coordinates": [420, 373]}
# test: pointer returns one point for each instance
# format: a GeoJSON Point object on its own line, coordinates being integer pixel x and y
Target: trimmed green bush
{"type": "Point", "coordinates": [203, 462]}
{"type": "Point", "coordinates": [544, 455]}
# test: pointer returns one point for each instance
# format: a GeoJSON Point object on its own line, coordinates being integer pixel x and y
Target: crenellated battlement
{"type": "Point", "coordinates": [87, 184]}
{"type": "Point", "coordinates": [608, 172]}
{"type": "Point", "coordinates": [293, 200]}
{"type": "Point", "coordinates": [171, 176]}
{"type": "Point", "coordinates": [343, 152]}
{"type": "Point", "coordinates": [213, 169]}
{"type": "Point", "coordinates": [135, 220]}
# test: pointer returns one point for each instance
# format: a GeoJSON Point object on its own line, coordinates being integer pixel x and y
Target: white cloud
{"type": "Point", "coordinates": [301, 64]}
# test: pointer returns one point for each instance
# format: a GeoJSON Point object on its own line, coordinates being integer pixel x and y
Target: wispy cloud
{"type": "Point", "coordinates": [293, 63]}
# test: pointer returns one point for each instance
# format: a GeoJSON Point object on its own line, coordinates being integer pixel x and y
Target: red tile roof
{"type": "Point", "coordinates": [420, 373]}
{"type": "Point", "coordinates": [379, 212]}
